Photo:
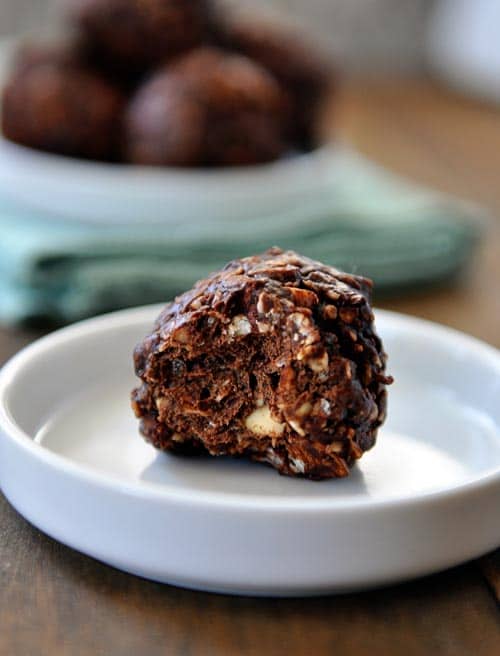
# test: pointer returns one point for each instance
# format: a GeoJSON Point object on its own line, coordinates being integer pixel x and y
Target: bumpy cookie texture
{"type": "Point", "coordinates": [54, 105]}
{"type": "Point", "coordinates": [208, 108]}
{"type": "Point", "coordinates": [274, 358]}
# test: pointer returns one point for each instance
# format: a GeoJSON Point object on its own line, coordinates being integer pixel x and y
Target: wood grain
{"type": "Point", "coordinates": [453, 144]}
{"type": "Point", "coordinates": [59, 602]}
{"type": "Point", "coordinates": [56, 601]}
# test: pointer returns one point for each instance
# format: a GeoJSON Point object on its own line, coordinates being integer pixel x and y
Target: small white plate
{"type": "Point", "coordinates": [96, 192]}
{"type": "Point", "coordinates": [425, 498]}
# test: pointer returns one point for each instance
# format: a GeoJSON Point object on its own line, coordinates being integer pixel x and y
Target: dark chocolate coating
{"type": "Point", "coordinates": [61, 108]}
{"type": "Point", "coordinates": [139, 34]}
{"type": "Point", "coordinates": [274, 358]}
{"type": "Point", "coordinates": [207, 108]}
{"type": "Point", "coordinates": [298, 65]}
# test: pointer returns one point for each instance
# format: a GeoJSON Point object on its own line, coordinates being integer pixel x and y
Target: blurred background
{"type": "Point", "coordinates": [389, 33]}
{"type": "Point", "coordinates": [418, 97]}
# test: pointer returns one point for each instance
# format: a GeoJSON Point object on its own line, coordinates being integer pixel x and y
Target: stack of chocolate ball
{"type": "Point", "coordinates": [167, 82]}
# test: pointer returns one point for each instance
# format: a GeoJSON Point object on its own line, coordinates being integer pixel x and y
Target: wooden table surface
{"type": "Point", "coordinates": [56, 601]}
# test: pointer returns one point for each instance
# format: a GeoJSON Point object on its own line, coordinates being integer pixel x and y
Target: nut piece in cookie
{"type": "Point", "coordinates": [274, 358]}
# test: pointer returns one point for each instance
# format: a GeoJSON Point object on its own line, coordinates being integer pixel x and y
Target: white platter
{"type": "Point", "coordinates": [96, 192]}
{"type": "Point", "coordinates": [425, 498]}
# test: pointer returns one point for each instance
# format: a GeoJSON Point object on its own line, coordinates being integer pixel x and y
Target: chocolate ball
{"type": "Point", "coordinates": [274, 358]}
{"type": "Point", "coordinates": [140, 34]}
{"type": "Point", "coordinates": [298, 65]}
{"type": "Point", "coordinates": [74, 51]}
{"type": "Point", "coordinates": [165, 124]}
{"type": "Point", "coordinates": [207, 108]}
{"type": "Point", "coordinates": [62, 108]}
{"type": "Point", "coordinates": [243, 140]}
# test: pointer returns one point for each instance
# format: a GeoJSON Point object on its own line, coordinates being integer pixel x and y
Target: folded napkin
{"type": "Point", "coordinates": [367, 221]}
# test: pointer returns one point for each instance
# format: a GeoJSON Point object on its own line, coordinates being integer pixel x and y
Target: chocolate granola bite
{"type": "Point", "coordinates": [208, 108]}
{"type": "Point", "coordinates": [296, 63]}
{"type": "Point", "coordinates": [75, 51]}
{"type": "Point", "coordinates": [140, 34]}
{"type": "Point", "coordinates": [274, 358]}
{"type": "Point", "coordinates": [59, 107]}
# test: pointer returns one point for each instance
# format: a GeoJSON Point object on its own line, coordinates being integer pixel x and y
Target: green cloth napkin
{"type": "Point", "coordinates": [368, 221]}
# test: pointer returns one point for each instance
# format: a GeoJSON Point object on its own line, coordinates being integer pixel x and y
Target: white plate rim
{"type": "Point", "coordinates": [125, 172]}
{"type": "Point", "coordinates": [222, 500]}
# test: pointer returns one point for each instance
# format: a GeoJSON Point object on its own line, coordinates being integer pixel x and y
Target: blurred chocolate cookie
{"type": "Point", "coordinates": [30, 54]}
{"type": "Point", "coordinates": [207, 108]}
{"type": "Point", "coordinates": [298, 65]}
{"type": "Point", "coordinates": [75, 50]}
{"type": "Point", "coordinates": [52, 104]}
{"type": "Point", "coordinates": [139, 34]}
